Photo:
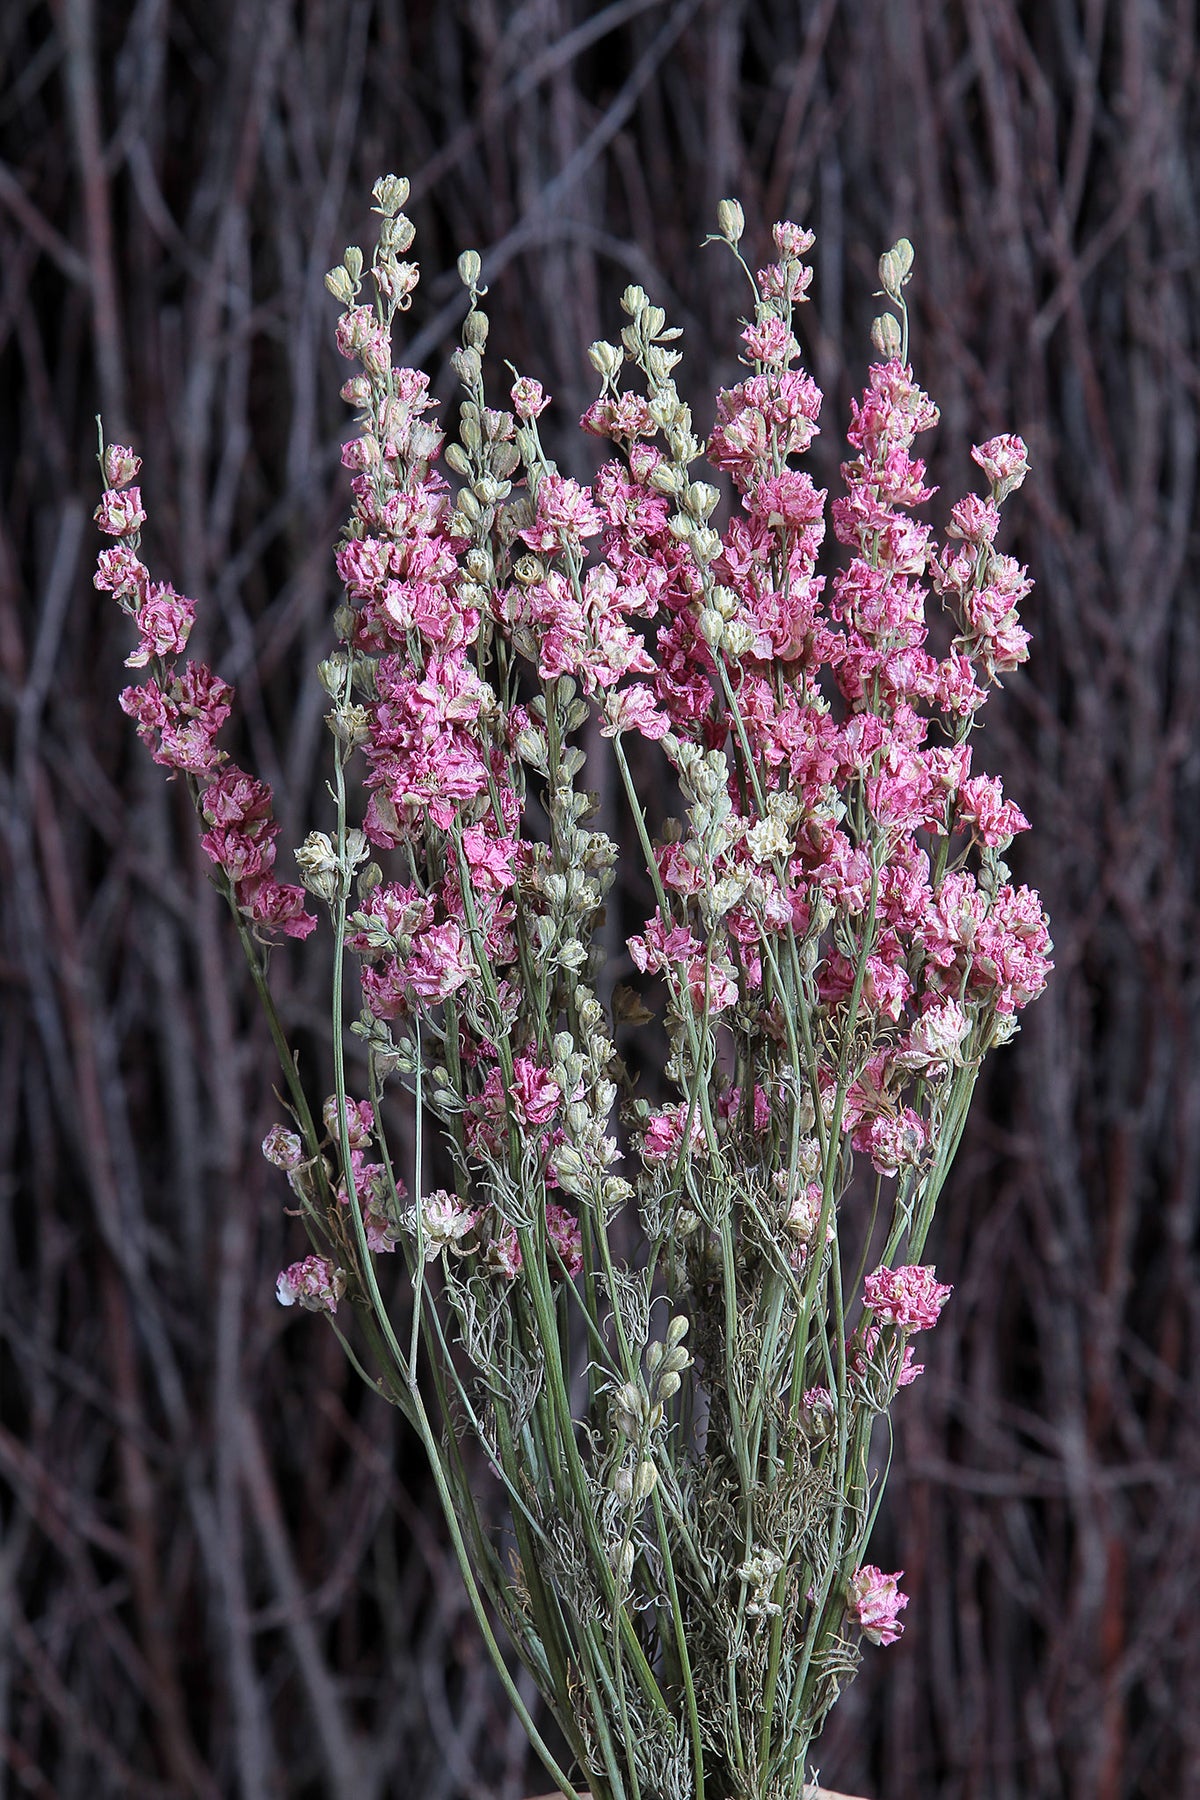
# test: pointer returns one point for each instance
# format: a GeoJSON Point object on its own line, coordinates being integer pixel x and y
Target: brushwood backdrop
{"type": "Point", "coordinates": [221, 1568]}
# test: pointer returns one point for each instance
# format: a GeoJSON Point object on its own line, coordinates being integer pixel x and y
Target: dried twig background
{"type": "Point", "coordinates": [220, 1573]}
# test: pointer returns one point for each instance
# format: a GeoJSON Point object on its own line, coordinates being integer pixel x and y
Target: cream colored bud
{"type": "Point", "coordinates": [644, 1482]}
{"type": "Point", "coordinates": [712, 627]}
{"type": "Point", "coordinates": [469, 268]}
{"type": "Point", "coordinates": [677, 1330]}
{"type": "Point", "coordinates": [340, 285]}
{"type": "Point", "coordinates": [666, 479]}
{"type": "Point", "coordinates": [895, 266]}
{"type": "Point", "coordinates": [605, 358]}
{"type": "Point", "coordinates": [652, 320]}
{"type": "Point", "coordinates": [353, 260]}
{"type": "Point", "coordinates": [731, 221]}
{"type": "Point", "coordinates": [669, 1384]}
{"type": "Point", "coordinates": [633, 300]}
{"type": "Point", "coordinates": [458, 460]}
{"type": "Point", "coordinates": [886, 336]}
{"type": "Point", "coordinates": [331, 673]}
{"type": "Point", "coordinates": [624, 1564]}
{"type": "Point", "coordinates": [700, 499]}
{"type": "Point", "coordinates": [390, 193]}
{"type": "Point", "coordinates": [466, 366]}
{"type": "Point", "coordinates": [622, 1485]}
{"type": "Point", "coordinates": [475, 329]}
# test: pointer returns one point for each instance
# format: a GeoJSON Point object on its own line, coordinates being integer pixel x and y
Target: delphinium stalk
{"type": "Point", "coordinates": [680, 1433]}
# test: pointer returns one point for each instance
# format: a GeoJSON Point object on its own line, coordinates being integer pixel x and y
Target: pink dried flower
{"type": "Point", "coordinates": [283, 1148]}
{"type": "Point", "coordinates": [121, 465]}
{"type": "Point", "coordinates": [981, 803]}
{"type": "Point", "coordinates": [529, 401]}
{"type": "Point", "coordinates": [910, 1297]}
{"type": "Point", "coordinates": [562, 1229]}
{"type": "Point", "coordinates": [274, 906]}
{"type": "Point", "coordinates": [503, 1256]}
{"type": "Point", "coordinates": [875, 1602]}
{"type": "Point", "coordinates": [534, 1093]}
{"type": "Point", "coordinates": [662, 1139]}
{"type": "Point", "coordinates": [314, 1284]}
{"type": "Point", "coordinates": [120, 512]}
{"type": "Point", "coordinates": [1005, 462]}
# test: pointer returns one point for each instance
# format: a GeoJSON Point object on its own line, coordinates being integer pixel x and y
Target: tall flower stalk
{"type": "Point", "coordinates": [669, 1325]}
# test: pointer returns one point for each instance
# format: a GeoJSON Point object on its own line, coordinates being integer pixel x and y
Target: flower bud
{"type": "Point", "coordinates": [353, 262]}
{"type": "Point", "coordinates": [390, 193]}
{"type": "Point", "coordinates": [469, 268]}
{"type": "Point", "coordinates": [633, 300]}
{"type": "Point", "coordinates": [475, 330]}
{"type": "Point", "coordinates": [605, 358]}
{"type": "Point", "coordinates": [886, 336]}
{"type": "Point", "coordinates": [340, 285]}
{"type": "Point", "coordinates": [731, 221]}
{"type": "Point", "coordinates": [895, 266]}
{"type": "Point", "coordinates": [644, 1482]}
{"type": "Point", "coordinates": [320, 870]}
{"type": "Point", "coordinates": [700, 498]}
{"type": "Point", "coordinates": [331, 672]}
{"type": "Point", "coordinates": [466, 366]}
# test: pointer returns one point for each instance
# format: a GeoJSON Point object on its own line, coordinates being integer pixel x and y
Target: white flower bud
{"type": "Point", "coordinates": [731, 221]}
{"type": "Point", "coordinates": [895, 266]}
{"type": "Point", "coordinates": [886, 336]}
{"type": "Point", "coordinates": [390, 193]}
{"type": "Point", "coordinates": [605, 358]}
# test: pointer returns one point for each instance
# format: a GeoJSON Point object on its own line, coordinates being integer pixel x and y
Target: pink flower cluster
{"type": "Point", "coordinates": [910, 1297]}
{"type": "Point", "coordinates": [875, 1602]}
{"type": "Point", "coordinates": [314, 1284]}
{"type": "Point", "coordinates": [181, 708]}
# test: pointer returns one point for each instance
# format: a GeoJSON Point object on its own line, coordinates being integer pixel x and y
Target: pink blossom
{"type": "Point", "coordinates": [974, 519]}
{"type": "Point", "coordinates": [276, 906]}
{"type": "Point", "coordinates": [283, 1148]}
{"type": "Point", "coordinates": [910, 1297]}
{"type": "Point", "coordinates": [121, 465]}
{"type": "Point", "coordinates": [119, 572]}
{"type": "Point", "coordinates": [440, 963]}
{"type": "Point", "coordinates": [314, 1284]}
{"type": "Point", "coordinates": [120, 512]}
{"type": "Point", "coordinates": [1005, 462]}
{"type": "Point", "coordinates": [633, 709]}
{"type": "Point", "coordinates": [360, 1121]}
{"type": "Point", "coordinates": [662, 1139]}
{"type": "Point", "coordinates": [503, 1255]}
{"type": "Point", "coordinates": [875, 1602]}
{"type": "Point", "coordinates": [534, 1092]}
{"type": "Point", "coordinates": [565, 515]}
{"type": "Point", "coordinates": [164, 620]}
{"type": "Point", "coordinates": [236, 798]}
{"type": "Point", "coordinates": [893, 1141]}
{"type": "Point", "coordinates": [529, 402]}
{"type": "Point", "coordinates": [242, 856]}
{"type": "Point", "coordinates": [491, 859]}
{"type": "Point", "coordinates": [562, 1230]}
{"type": "Point", "coordinates": [981, 803]}
{"type": "Point", "coordinates": [935, 1038]}
{"type": "Point", "coordinates": [769, 340]}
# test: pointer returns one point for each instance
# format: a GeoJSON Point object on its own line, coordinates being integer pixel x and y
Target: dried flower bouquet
{"type": "Point", "coordinates": [670, 1327]}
